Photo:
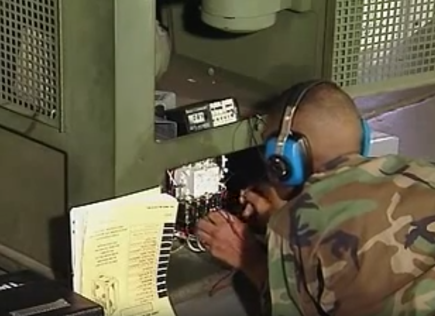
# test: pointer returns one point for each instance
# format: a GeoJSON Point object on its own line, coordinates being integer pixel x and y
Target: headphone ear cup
{"type": "Point", "coordinates": [366, 138]}
{"type": "Point", "coordinates": [288, 168]}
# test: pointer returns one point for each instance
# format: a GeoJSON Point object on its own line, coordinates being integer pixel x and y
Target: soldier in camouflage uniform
{"type": "Point", "coordinates": [359, 237]}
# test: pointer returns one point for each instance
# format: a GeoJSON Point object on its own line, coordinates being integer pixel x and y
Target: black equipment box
{"type": "Point", "coordinates": [28, 294]}
{"type": "Point", "coordinates": [204, 115]}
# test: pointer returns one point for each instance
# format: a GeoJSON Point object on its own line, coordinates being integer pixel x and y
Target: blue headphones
{"type": "Point", "coordinates": [288, 154]}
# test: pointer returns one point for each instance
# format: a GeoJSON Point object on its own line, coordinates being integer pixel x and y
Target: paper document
{"type": "Point", "coordinates": [120, 253]}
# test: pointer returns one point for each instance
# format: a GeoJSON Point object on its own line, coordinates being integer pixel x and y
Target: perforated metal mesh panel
{"type": "Point", "coordinates": [29, 58]}
{"type": "Point", "coordinates": [376, 40]}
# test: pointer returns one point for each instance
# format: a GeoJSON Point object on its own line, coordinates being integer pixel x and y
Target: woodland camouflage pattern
{"type": "Point", "coordinates": [359, 240]}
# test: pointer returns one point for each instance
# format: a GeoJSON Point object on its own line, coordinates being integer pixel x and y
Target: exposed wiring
{"type": "Point", "coordinates": [253, 128]}
{"type": "Point", "coordinates": [191, 246]}
{"type": "Point", "coordinates": [218, 285]}
{"type": "Point", "coordinates": [200, 245]}
{"type": "Point", "coordinates": [193, 207]}
{"type": "Point", "coordinates": [191, 185]}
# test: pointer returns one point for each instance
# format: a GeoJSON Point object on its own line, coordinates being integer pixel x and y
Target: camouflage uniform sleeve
{"type": "Point", "coordinates": [284, 277]}
{"type": "Point", "coordinates": [366, 240]}
{"type": "Point", "coordinates": [306, 226]}
{"type": "Point", "coordinates": [327, 231]}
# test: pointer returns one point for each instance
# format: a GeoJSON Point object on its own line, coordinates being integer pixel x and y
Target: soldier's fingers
{"type": "Point", "coordinates": [205, 227]}
{"type": "Point", "coordinates": [217, 218]}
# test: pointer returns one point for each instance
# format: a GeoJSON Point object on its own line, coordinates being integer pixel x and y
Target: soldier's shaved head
{"type": "Point", "coordinates": [329, 119]}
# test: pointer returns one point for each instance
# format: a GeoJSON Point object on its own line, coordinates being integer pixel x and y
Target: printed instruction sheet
{"type": "Point", "coordinates": [120, 253]}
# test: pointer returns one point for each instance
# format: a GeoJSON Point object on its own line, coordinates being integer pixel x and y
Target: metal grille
{"type": "Point", "coordinates": [29, 58]}
{"type": "Point", "coordinates": [377, 40]}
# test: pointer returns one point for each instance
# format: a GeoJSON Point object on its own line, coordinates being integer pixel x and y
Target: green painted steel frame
{"type": "Point", "coordinates": [107, 92]}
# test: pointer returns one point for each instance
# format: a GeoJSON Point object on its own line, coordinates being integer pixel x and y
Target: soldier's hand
{"type": "Point", "coordinates": [228, 239]}
{"type": "Point", "coordinates": [260, 201]}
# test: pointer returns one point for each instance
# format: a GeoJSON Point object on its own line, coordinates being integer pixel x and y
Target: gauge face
{"type": "Point", "coordinates": [197, 118]}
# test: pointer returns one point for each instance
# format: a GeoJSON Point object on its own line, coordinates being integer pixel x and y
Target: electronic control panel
{"type": "Point", "coordinates": [204, 115]}
{"type": "Point", "coordinates": [199, 189]}
{"type": "Point", "coordinates": [223, 112]}
{"type": "Point", "coordinates": [211, 185]}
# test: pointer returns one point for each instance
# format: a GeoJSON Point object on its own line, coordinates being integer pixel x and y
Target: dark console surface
{"type": "Point", "coordinates": [25, 293]}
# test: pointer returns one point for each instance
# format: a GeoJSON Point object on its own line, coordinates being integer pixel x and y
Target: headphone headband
{"type": "Point", "coordinates": [289, 153]}
{"type": "Point", "coordinates": [294, 97]}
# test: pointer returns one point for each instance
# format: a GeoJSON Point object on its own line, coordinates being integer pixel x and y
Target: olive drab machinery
{"type": "Point", "coordinates": [80, 81]}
